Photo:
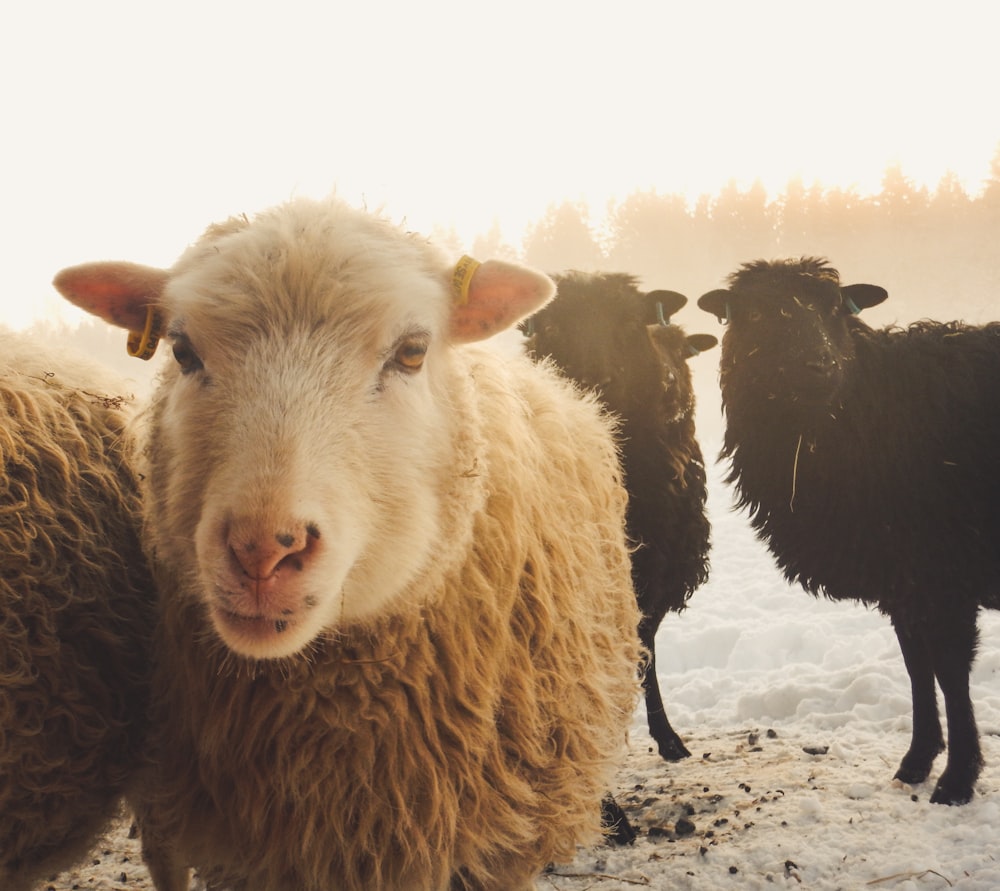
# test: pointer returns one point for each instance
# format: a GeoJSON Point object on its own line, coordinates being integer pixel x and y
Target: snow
{"type": "Point", "coordinates": [754, 673]}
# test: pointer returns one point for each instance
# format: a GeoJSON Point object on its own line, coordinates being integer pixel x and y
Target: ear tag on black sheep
{"type": "Point", "coordinates": [461, 278]}
{"type": "Point", "coordinates": [729, 315]}
{"type": "Point", "coordinates": [659, 315]}
{"type": "Point", "coordinates": [142, 344]}
{"type": "Point", "coordinates": [728, 318]}
{"type": "Point", "coordinates": [851, 305]}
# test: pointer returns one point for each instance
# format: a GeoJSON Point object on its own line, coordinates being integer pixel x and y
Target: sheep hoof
{"type": "Point", "coordinates": [916, 765]}
{"type": "Point", "coordinates": [912, 776]}
{"type": "Point", "coordinates": [617, 829]}
{"type": "Point", "coordinates": [673, 750]}
{"type": "Point", "coordinates": [940, 797]}
{"type": "Point", "coordinates": [953, 793]}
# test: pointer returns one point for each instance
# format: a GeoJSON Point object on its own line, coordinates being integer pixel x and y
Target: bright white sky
{"type": "Point", "coordinates": [129, 126]}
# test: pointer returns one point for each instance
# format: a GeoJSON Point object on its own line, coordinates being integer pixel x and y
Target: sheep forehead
{"type": "Point", "coordinates": [795, 293]}
{"type": "Point", "coordinates": [784, 279]}
{"type": "Point", "coordinates": [308, 264]}
{"type": "Point", "coordinates": [601, 287]}
{"type": "Point", "coordinates": [674, 339]}
{"type": "Point", "coordinates": [584, 301]}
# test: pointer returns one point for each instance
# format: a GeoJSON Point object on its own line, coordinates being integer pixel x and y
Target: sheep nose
{"type": "Point", "coordinates": [263, 552]}
{"type": "Point", "coordinates": [824, 364]}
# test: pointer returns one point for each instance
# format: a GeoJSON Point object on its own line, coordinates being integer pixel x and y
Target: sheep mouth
{"type": "Point", "coordinates": [256, 627]}
{"type": "Point", "coordinates": [804, 392]}
{"type": "Point", "coordinates": [811, 397]}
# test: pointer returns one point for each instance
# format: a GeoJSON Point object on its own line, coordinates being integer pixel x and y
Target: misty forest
{"type": "Point", "coordinates": [936, 251]}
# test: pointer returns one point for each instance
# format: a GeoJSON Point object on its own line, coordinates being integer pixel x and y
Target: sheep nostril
{"type": "Point", "coordinates": [260, 553]}
{"type": "Point", "coordinates": [825, 365]}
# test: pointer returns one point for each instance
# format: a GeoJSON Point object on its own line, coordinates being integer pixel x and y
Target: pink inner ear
{"type": "Point", "coordinates": [500, 295]}
{"type": "Point", "coordinates": [119, 293]}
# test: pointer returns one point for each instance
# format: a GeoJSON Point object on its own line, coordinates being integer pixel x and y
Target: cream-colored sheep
{"type": "Point", "coordinates": [76, 608]}
{"type": "Point", "coordinates": [398, 639]}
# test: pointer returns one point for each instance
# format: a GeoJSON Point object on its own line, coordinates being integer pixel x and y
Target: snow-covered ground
{"type": "Point", "coordinates": [755, 673]}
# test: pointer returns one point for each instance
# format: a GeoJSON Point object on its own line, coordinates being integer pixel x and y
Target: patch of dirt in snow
{"type": "Point", "coordinates": [115, 865]}
{"type": "Point", "coordinates": [697, 818]}
{"type": "Point", "coordinates": [755, 809]}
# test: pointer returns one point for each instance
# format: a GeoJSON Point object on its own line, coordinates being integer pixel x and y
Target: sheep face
{"type": "Point", "coordinates": [609, 337]}
{"type": "Point", "coordinates": [788, 342]}
{"type": "Point", "coordinates": [673, 349]}
{"type": "Point", "coordinates": [304, 440]}
{"type": "Point", "coordinates": [316, 499]}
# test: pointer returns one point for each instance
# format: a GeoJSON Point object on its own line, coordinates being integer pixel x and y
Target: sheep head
{"type": "Point", "coordinates": [305, 438]}
{"type": "Point", "coordinates": [607, 335]}
{"type": "Point", "coordinates": [788, 338]}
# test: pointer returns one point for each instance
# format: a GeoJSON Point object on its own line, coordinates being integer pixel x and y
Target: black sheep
{"type": "Point", "coordinates": [866, 460]}
{"type": "Point", "coordinates": [606, 335]}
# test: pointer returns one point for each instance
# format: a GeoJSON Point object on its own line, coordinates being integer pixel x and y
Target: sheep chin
{"type": "Point", "coordinates": [264, 637]}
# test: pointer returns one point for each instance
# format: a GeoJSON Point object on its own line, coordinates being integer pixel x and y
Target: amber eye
{"type": "Point", "coordinates": [409, 355]}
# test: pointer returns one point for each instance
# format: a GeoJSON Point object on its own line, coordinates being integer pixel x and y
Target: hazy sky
{"type": "Point", "coordinates": [129, 126]}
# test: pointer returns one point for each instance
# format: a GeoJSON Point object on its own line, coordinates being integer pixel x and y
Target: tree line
{"type": "Point", "coordinates": [937, 251]}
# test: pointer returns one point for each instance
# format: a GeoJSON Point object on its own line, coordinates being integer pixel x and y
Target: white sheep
{"type": "Point", "coordinates": [398, 637]}
{"type": "Point", "coordinates": [76, 608]}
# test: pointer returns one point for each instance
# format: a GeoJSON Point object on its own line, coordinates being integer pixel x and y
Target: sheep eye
{"type": "Point", "coordinates": [755, 315]}
{"type": "Point", "coordinates": [409, 355]}
{"type": "Point", "coordinates": [186, 357]}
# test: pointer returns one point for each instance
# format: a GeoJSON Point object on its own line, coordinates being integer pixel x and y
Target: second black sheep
{"type": "Point", "coordinates": [610, 337]}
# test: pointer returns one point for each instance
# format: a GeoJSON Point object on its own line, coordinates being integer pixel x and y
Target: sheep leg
{"type": "Point", "coordinates": [955, 648]}
{"type": "Point", "coordinates": [167, 874]}
{"type": "Point", "coordinates": [927, 739]}
{"type": "Point", "coordinates": [670, 745]}
{"type": "Point", "coordinates": [617, 828]}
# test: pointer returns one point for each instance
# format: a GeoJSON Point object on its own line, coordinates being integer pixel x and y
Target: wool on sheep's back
{"type": "Point", "coordinates": [76, 609]}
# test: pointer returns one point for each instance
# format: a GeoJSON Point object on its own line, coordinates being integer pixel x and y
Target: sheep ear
{"type": "Point", "coordinates": [661, 305]}
{"type": "Point", "coordinates": [717, 303]}
{"type": "Point", "coordinates": [859, 297]}
{"type": "Point", "coordinates": [119, 293]}
{"type": "Point", "coordinates": [124, 294]}
{"type": "Point", "coordinates": [492, 296]}
{"type": "Point", "coordinates": [698, 343]}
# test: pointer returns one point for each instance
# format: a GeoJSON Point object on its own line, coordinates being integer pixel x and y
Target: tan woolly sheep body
{"type": "Point", "coordinates": [401, 653]}
{"type": "Point", "coordinates": [76, 609]}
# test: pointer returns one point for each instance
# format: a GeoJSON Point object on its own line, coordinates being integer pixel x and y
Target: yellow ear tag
{"type": "Point", "coordinates": [142, 345]}
{"type": "Point", "coordinates": [461, 278]}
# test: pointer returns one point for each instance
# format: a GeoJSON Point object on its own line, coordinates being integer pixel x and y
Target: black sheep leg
{"type": "Point", "coordinates": [955, 642]}
{"type": "Point", "coordinates": [615, 824]}
{"type": "Point", "coordinates": [669, 744]}
{"type": "Point", "coordinates": [927, 740]}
